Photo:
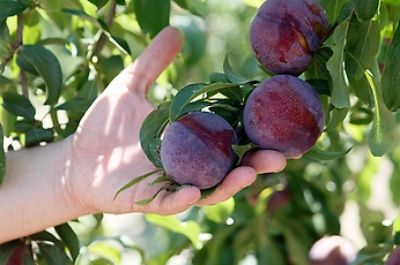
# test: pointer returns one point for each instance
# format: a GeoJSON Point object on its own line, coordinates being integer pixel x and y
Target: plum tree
{"type": "Point", "coordinates": [394, 257]}
{"type": "Point", "coordinates": [333, 250]}
{"type": "Point", "coordinates": [197, 149]}
{"type": "Point", "coordinates": [285, 34]}
{"type": "Point", "coordinates": [284, 114]}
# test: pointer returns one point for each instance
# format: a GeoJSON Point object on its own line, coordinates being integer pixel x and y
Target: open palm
{"type": "Point", "coordinates": [106, 152]}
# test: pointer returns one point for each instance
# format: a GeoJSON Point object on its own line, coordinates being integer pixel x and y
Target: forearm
{"type": "Point", "coordinates": [32, 196]}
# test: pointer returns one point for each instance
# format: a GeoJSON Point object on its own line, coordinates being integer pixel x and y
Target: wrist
{"type": "Point", "coordinates": [67, 195]}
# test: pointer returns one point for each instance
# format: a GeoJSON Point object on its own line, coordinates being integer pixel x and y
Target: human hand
{"type": "Point", "coordinates": [106, 152]}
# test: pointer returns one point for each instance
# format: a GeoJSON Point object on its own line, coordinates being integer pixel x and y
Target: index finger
{"type": "Point", "coordinates": [153, 61]}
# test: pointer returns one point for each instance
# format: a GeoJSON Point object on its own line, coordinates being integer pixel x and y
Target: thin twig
{"type": "Point", "coordinates": [19, 42]}
{"type": "Point", "coordinates": [103, 37]}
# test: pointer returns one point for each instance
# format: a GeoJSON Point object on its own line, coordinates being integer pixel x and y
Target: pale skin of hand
{"type": "Point", "coordinates": [80, 175]}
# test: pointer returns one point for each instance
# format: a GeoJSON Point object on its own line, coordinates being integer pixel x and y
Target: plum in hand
{"type": "Point", "coordinates": [285, 34]}
{"type": "Point", "coordinates": [284, 114]}
{"type": "Point", "coordinates": [197, 149]}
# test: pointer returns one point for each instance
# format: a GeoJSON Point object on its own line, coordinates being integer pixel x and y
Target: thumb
{"type": "Point", "coordinates": [153, 61]}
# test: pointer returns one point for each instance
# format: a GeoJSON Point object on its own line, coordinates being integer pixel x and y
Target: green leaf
{"type": "Point", "coordinates": [36, 136]}
{"type": "Point", "coordinates": [154, 150]}
{"type": "Point", "coordinates": [336, 118]}
{"type": "Point", "coordinates": [107, 251]}
{"type": "Point", "coordinates": [4, 31]}
{"type": "Point", "coordinates": [232, 76]}
{"type": "Point", "coordinates": [150, 199]}
{"type": "Point", "coordinates": [189, 92]}
{"type": "Point", "coordinates": [69, 238]}
{"type": "Point", "coordinates": [383, 134]}
{"type": "Point", "coordinates": [363, 41]}
{"type": "Point", "coordinates": [318, 154]}
{"type": "Point", "coordinates": [220, 212]}
{"type": "Point", "coordinates": [332, 8]}
{"type": "Point", "coordinates": [152, 129]}
{"type": "Point", "coordinates": [152, 15]}
{"type": "Point", "coordinates": [241, 150]}
{"type": "Point", "coordinates": [10, 8]}
{"type": "Point", "coordinates": [46, 65]}
{"type": "Point", "coordinates": [18, 105]}
{"type": "Point", "coordinates": [335, 66]}
{"type": "Point", "coordinates": [190, 229]}
{"type": "Point", "coordinates": [4, 81]}
{"type": "Point", "coordinates": [196, 7]}
{"type": "Point", "coordinates": [54, 255]}
{"type": "Point", "coordinates": [75, 105]}
{"type": "Point", "coordinates": [28, 260]}
{"type": "Point", "coordinates": [135, 181]}
{"type": "Point", "coordinates": [391, 74]}
{"type": "Point", "coordinates": [296, 248]}
{"type": "Point", "coordinates": [2, 156]}
{"type": "Point", "coordinates": [99, 3]}
{"type": "Point", "coordinates": [366, 9]}
{"type": "Point", "coordinates": [218, 78]}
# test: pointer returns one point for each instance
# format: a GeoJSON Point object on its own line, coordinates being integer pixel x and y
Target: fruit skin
{"type": "Point", "coordinates": [278, 200]}
{"type": "Point", "coordinates": [333, 250]}
{"type": "Point", "coordinates": [197, 149]}
{"type": "Point", "coordinates": [394, 258]}
{"type": "Point", "coordinates": [284, 114]}
{"type": "Point", "coordinates": [285, 34]}
{"type": "Point", "coordinates": [17, 257]}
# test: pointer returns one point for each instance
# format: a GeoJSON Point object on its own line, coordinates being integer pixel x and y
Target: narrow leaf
{"type": "Point", "coordinates": [188, 93]}
{"type": "Point", "coordinates": [190, 229]}
{"type": "Point", "coordinates": [383, 134]}
{"type": "Point", "coordinates": [318, 154]}
{"type": "Point", "coordinates": [135, 181]}
{"type": "Point", "coordinates": [149, 200]}
{"type": "Point", "coordinates": [152, 129]}
{"type": "Point", "coordinates": [366, 9]}
{"type": "Point", "coordinates": [337, 117]}
{"type": "Point", "coordinates": [232, 76]}
{"type": "Point", "coordinates": [158, 180]}
{"type": "Point", "coordinates": [391, 74]}
{"type": "Point", "coordinates": [220, 212]}
{"type": "Point", "coordinates": [241, 150]}
{"type": "Point", "coordinates": [18, 105]}
{"type": "Point", "coordinates": [335, 66]}
{"type": "Point", "coordinates": [69, 238]}
{"type": "Point", "coordinates": [53, 255]}
{"type": "Point", "coordinates": [10, 8]}
{"type": "Point", "coordinates": [46, 65]}
{"type": "Point", "coordinates": [36, 136]}
{"type": "Point", "coordinates": [152, 15]}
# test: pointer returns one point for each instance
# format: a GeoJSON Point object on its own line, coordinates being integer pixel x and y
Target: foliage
{"type": "Point", "coordinates": [57, 56]}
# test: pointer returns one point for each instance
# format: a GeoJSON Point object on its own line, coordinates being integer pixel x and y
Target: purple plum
{"type": "Point", "coordinates": [284, 114]}
{"type": "Point", "coordinates": [394, 257]}
{"type": "Point", "coordinates": [332, 250]}
{"type": "Point", "coordinates": [285, 34]}
{"type": "Point", "coordinates": [278, 200]}
{"type": "Point", "coordinates": [197, 149]}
